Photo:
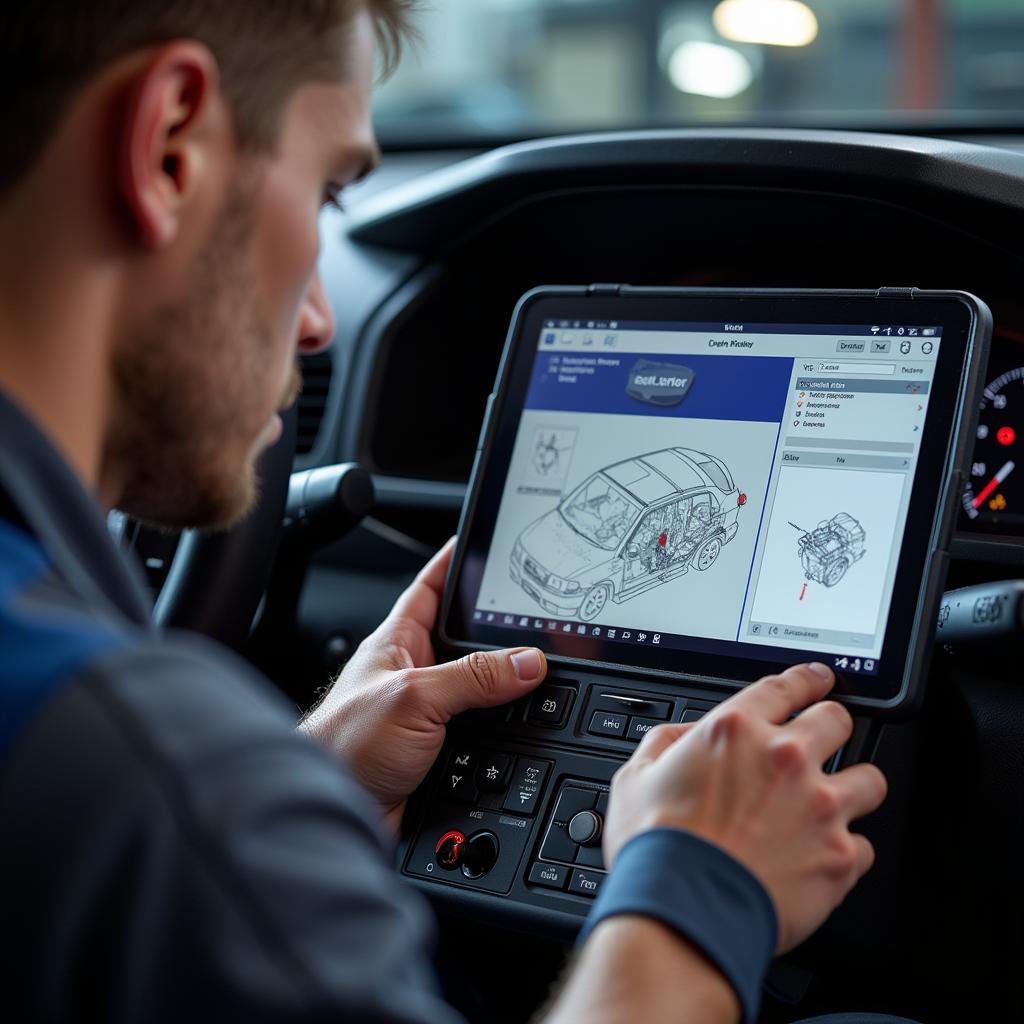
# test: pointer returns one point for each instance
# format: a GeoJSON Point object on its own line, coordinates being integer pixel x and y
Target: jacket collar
{"type": "Point", "coordinates": [40, 493]}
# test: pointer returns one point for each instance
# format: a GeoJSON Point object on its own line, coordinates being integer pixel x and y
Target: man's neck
{"type": "Point", "coordinates": [54, 350]}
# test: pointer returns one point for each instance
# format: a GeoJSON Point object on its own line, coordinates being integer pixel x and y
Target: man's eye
{"type": "Point", "coordinates": [332, 197]}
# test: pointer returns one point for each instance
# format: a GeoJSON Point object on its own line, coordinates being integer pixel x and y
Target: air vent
{"type": "Point", "coordinates": [316, 382]}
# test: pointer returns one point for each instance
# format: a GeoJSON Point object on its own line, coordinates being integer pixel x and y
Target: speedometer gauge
{"type": "Point", "coordinates": [994, 496]}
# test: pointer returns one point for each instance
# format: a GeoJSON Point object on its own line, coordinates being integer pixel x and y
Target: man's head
{"type": "Point", "coordinates": [165, 160]}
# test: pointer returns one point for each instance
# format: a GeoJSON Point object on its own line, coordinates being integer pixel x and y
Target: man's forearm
{"type": "Point", "coordinates": [633, 968]}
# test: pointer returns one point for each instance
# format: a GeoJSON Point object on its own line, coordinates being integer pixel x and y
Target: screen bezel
{"type": "Point", "coordinates": [941, 453]}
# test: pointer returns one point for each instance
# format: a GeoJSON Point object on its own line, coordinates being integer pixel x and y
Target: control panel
{"type": "Point", "coordinates": [515, 806]}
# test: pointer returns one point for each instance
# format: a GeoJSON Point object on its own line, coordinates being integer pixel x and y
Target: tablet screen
{"type": "Point", "coordinates": [740, 487]}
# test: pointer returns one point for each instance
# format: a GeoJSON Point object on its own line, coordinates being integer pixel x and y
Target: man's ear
{"type": "Point", "coordinates": [162, 144]}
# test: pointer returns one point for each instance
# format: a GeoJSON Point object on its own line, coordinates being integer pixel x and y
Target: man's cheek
{"type": "Point", "coordinates": [289, 245]}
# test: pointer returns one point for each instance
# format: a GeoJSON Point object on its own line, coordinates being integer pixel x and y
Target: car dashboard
{"type": "Point", "coordinates": [423, 273]}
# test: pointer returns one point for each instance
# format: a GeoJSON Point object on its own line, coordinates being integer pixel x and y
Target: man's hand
{"type": "Point", "coordinates": [386, 712]}
{"type": "Point", "coordinates": [750, 781]}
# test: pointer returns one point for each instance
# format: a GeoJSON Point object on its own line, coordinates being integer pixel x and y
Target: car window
{"type": "Point", "coordinates": [717, 474]}
{"type": "Point", "coordinates": [598, 511]}
{"type": "Point", "coordinates": [513, 68]}
{"type": "Point", "coordinates": [702, 509]}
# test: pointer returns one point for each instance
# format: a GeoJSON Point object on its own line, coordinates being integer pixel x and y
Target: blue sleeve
{"type": "Point", "coordinates": [703, 894]}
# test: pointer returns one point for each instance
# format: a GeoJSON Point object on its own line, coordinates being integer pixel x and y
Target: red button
{"type": "Point", "coordinates": [448, 849]}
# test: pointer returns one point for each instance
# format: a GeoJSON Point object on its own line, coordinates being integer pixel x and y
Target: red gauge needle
{"type": "Point", "coordinates": [994, 483]}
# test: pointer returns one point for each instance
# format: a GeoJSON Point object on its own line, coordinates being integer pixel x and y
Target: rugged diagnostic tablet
{"type": "Point", "coordinates": [712, 485]}
{"type": "Point", "coordinates": [675, 493]}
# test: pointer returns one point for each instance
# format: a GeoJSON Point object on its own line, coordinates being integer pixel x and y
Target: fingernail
{"type": "Point", "coordinates": [527, 664]}
{"type": "Point", "coordinates": [820, 669]}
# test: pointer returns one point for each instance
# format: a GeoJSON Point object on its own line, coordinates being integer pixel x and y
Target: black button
{"type": "Point", "coordinates": [585, 883]}
{"type": "Point", "coordinates": [590, 857]}
{"type": "Point", "coordinates": [640, 727]}
{"type": "Point", "coordinates": [554, 876]}
{"type": "Point", "coordinates": [571, 801]}
{"type": "Point", "coordinates": [630, 702]}
{"type": "Point", "coordinates": [457, 781]}
{"type": "Point", "coordinates": [557, 845]}
{"type": "Point", "coordinates": [527, 783]}
{"type": "Point", "coordinates": [462, 760]}
{"type": "Point", "coordinates": [479, 854]}
{"type": "Point", "coordinates": [692, 715]}
{"type": "Point", "coordinates": [492, 771]}
{"type": "Point", "coordinates": [607, 723]}
{"type": "Point", "coordinates": [602, 804]}
{"type": "Point", "coordinates": [585, 828]}
{"type": "Point", "coordinates": [550, 705]}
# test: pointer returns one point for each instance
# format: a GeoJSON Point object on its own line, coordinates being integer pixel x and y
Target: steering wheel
{"type": "Point", "coordinates": [216, 580]}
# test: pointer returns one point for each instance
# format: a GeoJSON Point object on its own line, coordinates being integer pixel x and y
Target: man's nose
{"type": "Point", "coordinates": [316, 322]}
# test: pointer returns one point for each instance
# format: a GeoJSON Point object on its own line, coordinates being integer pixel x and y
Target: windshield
{"type": "Point", "coordinates": [599, 511]}
{"type": "Point", "coordinates": [488, 69]}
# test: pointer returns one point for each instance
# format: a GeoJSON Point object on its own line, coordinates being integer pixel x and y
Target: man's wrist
{"type": "Point", "coordinates": [667, 955]}
{"type": "Point", "coordinates": [634, 968]}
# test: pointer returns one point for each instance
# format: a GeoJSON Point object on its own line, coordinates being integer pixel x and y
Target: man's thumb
{"type": "Point", "coordinates": [483, 679]}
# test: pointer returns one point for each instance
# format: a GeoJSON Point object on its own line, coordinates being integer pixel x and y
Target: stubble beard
{"type": "Point", "coordinates": [188, 387]}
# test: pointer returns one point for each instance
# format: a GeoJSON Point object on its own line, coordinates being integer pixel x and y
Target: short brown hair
{"type": "Point", "coordinates": [265, 48]}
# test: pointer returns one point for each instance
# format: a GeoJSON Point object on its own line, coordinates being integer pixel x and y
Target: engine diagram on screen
{"type": "Point", "coordinates": [628, 527]}
{"type": "Point", "coordinates": [828, 551]}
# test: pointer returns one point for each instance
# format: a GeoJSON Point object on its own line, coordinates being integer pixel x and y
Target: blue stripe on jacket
{"type": "Point", "coordinates": [38, 651]}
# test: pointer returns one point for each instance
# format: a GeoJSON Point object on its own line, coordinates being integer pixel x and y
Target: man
{"type": "Point", "coordinates": [172, 849]}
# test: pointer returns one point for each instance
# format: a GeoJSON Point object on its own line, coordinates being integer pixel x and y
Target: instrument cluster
{"type": "Point", "coordinates": [993, 497]}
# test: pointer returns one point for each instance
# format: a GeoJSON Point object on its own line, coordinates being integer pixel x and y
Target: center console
{"type": "Point", "coordinates": [516, 805]}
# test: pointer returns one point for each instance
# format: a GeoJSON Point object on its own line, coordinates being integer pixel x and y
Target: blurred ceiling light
{"type": "Point", "coordinates": [772, 22]}
{"type": "Point", "coordinates": [709, 69]}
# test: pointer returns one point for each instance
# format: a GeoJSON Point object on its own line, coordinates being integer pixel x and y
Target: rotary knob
{"type": "Point", "coordinates": [479, 854]}
{"type": "Point", "coordinates": [449, 850]}
{"type": "Point", "coordinates": [585, 828]}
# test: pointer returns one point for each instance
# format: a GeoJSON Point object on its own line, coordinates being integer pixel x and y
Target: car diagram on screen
{"type": "Point", "coordinates": [627, 528]}
{"type": "Point", "coordinates": [828, 551]}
